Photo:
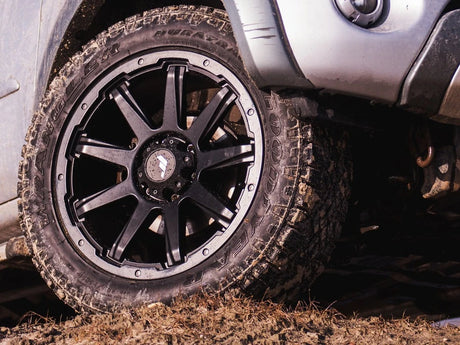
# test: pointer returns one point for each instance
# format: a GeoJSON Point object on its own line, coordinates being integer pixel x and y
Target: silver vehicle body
{"type": "Point", "coordinates": [31, 35]}
{"type": "Point", "coordinates": [300, 44]}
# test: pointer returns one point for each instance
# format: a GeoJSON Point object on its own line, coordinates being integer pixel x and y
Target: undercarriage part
{"type": "Point", "coordinates": [342, 110]}
{"type": "Point", "coordinates": [437, 152]}
{"type": "Point", "coordinates": [438, 175]}
{"type": "Point", "coordinates": [427, 82]}
{"type": "Point", "coordinates": [456, 186]}
{"type": "Point", "coordinates": [424, 162]}
{"type": "Point", "coordinates": [14, 247]}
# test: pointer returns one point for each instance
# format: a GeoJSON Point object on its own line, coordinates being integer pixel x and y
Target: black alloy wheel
{"type": "Point", "coordinates": [167, 145]}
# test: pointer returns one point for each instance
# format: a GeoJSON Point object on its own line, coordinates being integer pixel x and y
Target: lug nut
{"type": "Point", "coordinates": [151, 192]}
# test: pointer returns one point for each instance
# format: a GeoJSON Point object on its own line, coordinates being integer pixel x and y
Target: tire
{"type": "Point", "coordinates": [123, 205]}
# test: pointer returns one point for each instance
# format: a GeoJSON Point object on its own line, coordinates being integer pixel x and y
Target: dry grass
{"type": "Point", "coordinates": [229, 320]}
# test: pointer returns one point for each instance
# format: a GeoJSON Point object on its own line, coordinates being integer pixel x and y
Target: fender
{"type": "Point", "coordinates": [262, 43]}
{"type": "Point", "coordinates": [27, 52]}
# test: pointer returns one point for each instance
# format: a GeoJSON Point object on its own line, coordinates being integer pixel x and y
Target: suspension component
{"type": "Point", "coordinates": [423, 163]}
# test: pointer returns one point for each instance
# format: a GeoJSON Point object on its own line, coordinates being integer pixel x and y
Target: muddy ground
{"type": "Point", "coordinates": [205, 320]}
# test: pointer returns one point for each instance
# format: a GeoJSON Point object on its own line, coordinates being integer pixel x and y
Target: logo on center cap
{"type": "Point", "coordinates": [160, 165]}
{"type": "Point", "coordinates": [163, 165]}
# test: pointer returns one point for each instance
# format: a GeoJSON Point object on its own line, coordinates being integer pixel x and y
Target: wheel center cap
{"type": "Point", "coordinates": [160, 165]}
{"type": "Point", "coordinates": [165, 167]}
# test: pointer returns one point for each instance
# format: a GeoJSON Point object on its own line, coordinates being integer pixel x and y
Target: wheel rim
{"type": "Point", "coordinates": [158, 164]}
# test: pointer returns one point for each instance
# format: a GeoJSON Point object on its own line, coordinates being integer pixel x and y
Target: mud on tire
{"type": "Point", "coordinates": [253, 198]}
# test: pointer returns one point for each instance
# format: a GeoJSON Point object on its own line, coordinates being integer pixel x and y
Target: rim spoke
{"type": "Point", "coordinates": [174, 94]}
{"type": "Point", "coordinates": [130, 229]}
{"type": "Point", "coordinates": [103, 197]}
{"type": "Point", "coordinates": [225, 157]}
{"type": "Point", "coordinates": [131, 112]}
{"type": "Point", "coordinates": [104, 151]}
{"type": "Point", "coordinates": [207, 121]}
{"type": "Point", "coordinates": [172, 231]}
{"type": "Point", "coordinates": [209, 203]}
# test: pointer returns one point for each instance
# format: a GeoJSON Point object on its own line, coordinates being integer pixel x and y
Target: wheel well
{"type": "Point", "coordinates": [452, 5]}
{"type": "Point", "coordinates": [94, 16]}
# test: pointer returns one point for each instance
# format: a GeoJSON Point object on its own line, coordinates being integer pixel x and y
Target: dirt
{"type": "Point", "coordinates": [225, 320]}
{"type": "Point", "coordinates": [387, 273]}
